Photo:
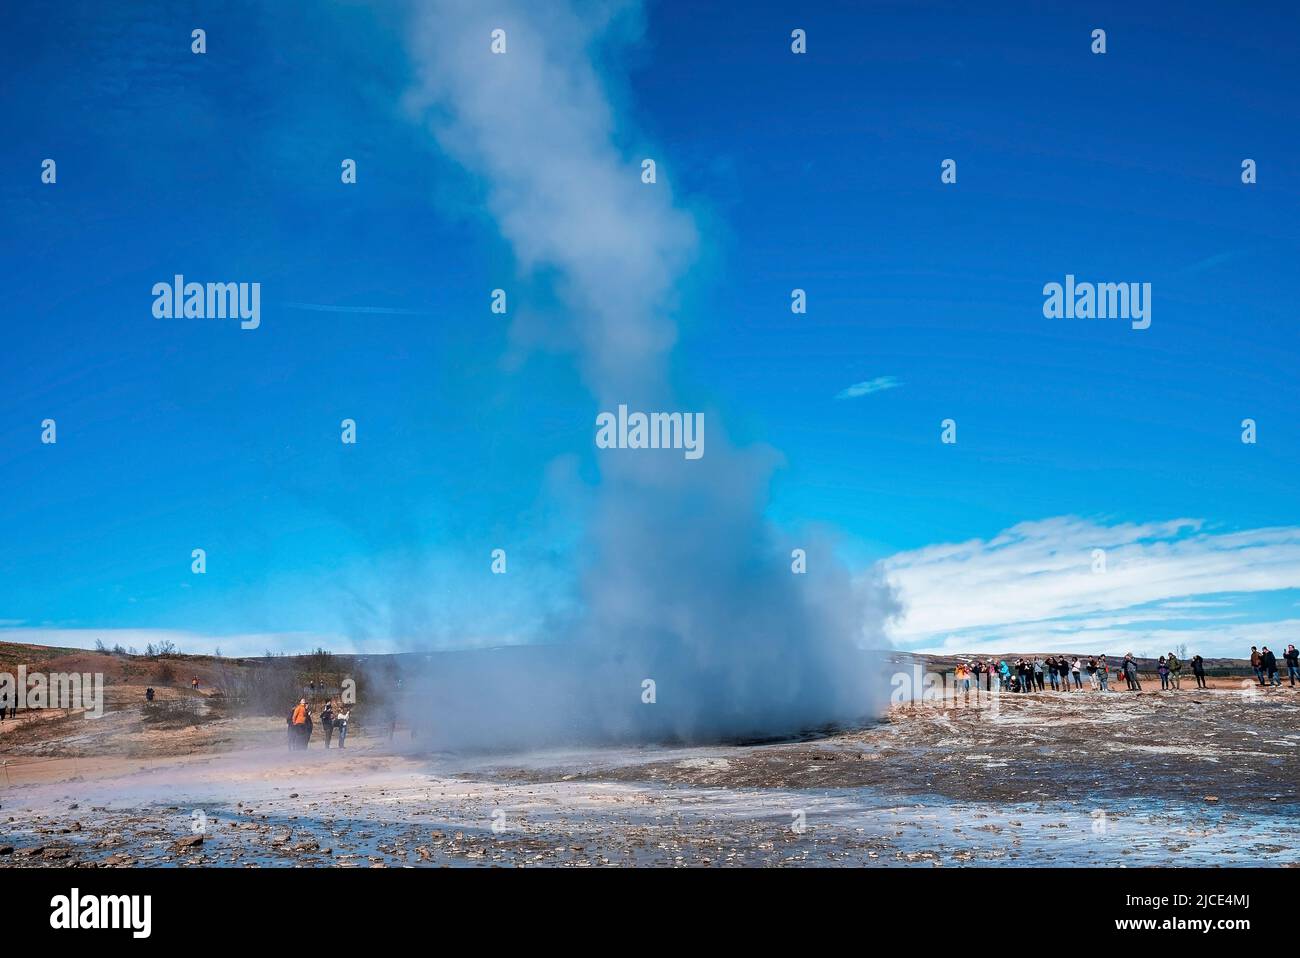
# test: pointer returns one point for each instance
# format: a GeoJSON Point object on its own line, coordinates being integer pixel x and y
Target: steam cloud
{"type": "Point", "coordinates": [687, 583]}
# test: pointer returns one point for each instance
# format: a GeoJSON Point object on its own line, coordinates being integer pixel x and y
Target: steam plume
{"type": "Point", "coordinates": [687, 584]}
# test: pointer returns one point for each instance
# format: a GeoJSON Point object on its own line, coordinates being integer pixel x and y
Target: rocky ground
{"type": "Point", "coordinates": [1189, 777]}
{"type": "Point", "coordinates": [1233, 744]}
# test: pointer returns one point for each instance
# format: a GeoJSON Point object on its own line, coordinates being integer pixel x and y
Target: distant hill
{"type": "Point", "coordinates": [945, 663]}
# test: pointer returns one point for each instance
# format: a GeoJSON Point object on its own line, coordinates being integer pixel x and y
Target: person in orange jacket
{"type": "Point", "coordinates": [298, 719]}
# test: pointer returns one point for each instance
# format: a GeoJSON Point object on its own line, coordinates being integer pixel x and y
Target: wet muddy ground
{"type": "Point", "coordinates": [1185, 778]}
{"type": "Point", "coordinates": [1234, 747]}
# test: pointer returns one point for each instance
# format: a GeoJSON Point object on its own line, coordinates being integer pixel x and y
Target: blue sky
{"type": "Point", "coordinates": [818, 171]}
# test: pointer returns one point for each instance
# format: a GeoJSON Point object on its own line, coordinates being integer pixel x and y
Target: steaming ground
{"type": "Point", "coordinates": [1183, 778]}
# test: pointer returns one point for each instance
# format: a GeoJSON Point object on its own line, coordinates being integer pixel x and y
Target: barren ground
{"type": "Point", "coordinates": [1189, 777]}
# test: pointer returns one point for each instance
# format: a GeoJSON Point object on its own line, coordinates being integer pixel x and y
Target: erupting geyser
{"type": "Point", "coordinates": [686, 585]}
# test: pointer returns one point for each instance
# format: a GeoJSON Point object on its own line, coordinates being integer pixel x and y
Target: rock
{"type": "Point", "coordinates": [6, 849]}
{"type": "Point", "coordinates": [190, 841]}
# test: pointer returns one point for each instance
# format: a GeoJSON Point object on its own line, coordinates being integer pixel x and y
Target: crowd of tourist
{"type": "Point", "coordinates": [1064, 673]}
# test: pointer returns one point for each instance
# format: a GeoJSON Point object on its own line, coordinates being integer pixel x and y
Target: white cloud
{"type": "Point", "coordinates": [868, 387]}
{"type": "Point", "coordinates": [1033, 587]}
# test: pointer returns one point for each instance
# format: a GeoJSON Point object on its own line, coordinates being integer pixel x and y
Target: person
{"type": "Point", "coordinates": [1131, 673]}
{"type": "Point", "coordinates": [975, 668]}
{"type": "Point", "coordinates": [1162, 670]}
{"type": "Point", "coordinates": [1076, 670]}
{"type": "Point", "coordinates": [299, 718]}
{"type": "Point", "coordinates": [1038, 672]}
{"type": "Point", "coordinates": [1050, 666]}
{"type": "Point", "coordinates": [1004, 675]}
{"type": "Point", "coordinates": [1268, 665]}
{"type": "Point", "coordinates": [341, 723]}
{"type": "Point", "coordinates": [1091, 666]}
{"type": "Point", "coordinates": [1198, 669]}
{"type": "Point", "coordinates": [291, 730]}
{"type": "Point", "coordinates": [194, 683]}
{"type": "Point", "coordinates": [148, 694]}
{"type": "Point", "coordinates": [1292, 656]}
{"type": "Point", "coordinates": [1175, 671]}
{"type": "Point", "coordinates": [1255, 660]}
{"type": "Point", "coordinates": [327, 722]}
{"type": "Point", "coordinates": [1103, 673]}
